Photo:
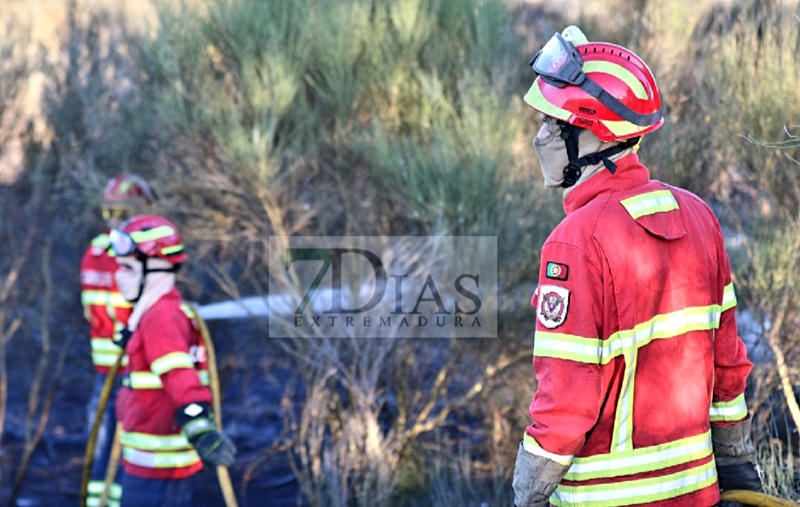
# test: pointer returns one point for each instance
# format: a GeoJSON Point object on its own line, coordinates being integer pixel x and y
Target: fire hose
{"type": "Point", "coordinates": [222, 472]}
{"type": "Point", "coordinates": [216, 398]}
{"type": "Point", "coordinates": [755, 499]}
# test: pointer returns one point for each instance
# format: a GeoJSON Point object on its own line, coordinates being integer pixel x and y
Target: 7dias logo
{"type": "Point", "coordinates": [383, 287]}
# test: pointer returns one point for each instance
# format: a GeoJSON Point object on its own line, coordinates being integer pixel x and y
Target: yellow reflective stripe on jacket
{"type": "Point", "coordinates": [728, 297]}
{"type": "Point", "coordinates": [104, 351]}
{"type": "Point", "coordinates": [142, 380]}
{"type": "Point", "coordinates": [148, 442]}
{"type": "Point", "coordinates": [95, 489]}
{"type": "Point", "coordinates": [161, 459]}
{"type": "Point", "coordinates": [639, 491]}
{"type": "Point", "coordinates": [734, 410]}
{"type": "Point", "coordinates": [104, 297]}
{"type": "Point", "coordinates": [171, 361]}
{"type": "Point", "coordinates": [148, 380]}
{"type": "Point", "coordinates": [621, 440]}
{"type": "Point", "coordinates": [104, 345]}
{"type": "Point", "coordinates": [645, 459]}
{"type": "Point", "coordinates": [532, 446]}
{"type": "Point", "coordinates": [650, 203]}
{"type": "Point", "coordinates": [596, 351]}
{"type": "Point", "coordinates": [668, 325]}
{"type": "Point", "coordinates": [567, 346]}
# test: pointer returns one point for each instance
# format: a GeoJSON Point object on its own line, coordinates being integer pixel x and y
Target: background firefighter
{"type": "Point", "coordinates": [641, 373]}
{"type": "Point", "coordinates": [106, 312]}
{"type": "Point", "coordinates": [164, 404]}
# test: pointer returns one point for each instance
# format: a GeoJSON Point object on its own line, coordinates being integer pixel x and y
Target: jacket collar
{"type": "Point", "coordinates": [629, 174]}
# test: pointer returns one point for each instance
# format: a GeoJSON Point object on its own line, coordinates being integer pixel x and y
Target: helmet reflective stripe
{"type": "Point", "coordinates": [169, 250]}
{"type": "Point", "coordinates": [619, 72]}
{"type": "Point", "coordinates": [535, 99]}
{"type": "Point", "coordinates": [637, 491]}
{"type": "Point", "coordinates": [728, 297]}
{"type": "Point", "coordinates": [650, 203]}
{"type": "Point", "coordinates": [532, 446]}
{"type": "Point", "coordinates": [147, 442]}
{"type": "Point", "coordinates": [152, 234]}
{"type": "Point", "coordinates": [101, 241]}
{"type": "Point", "coordinates": [645, 459]}
{"type": "Point", "coordinates": [621, 128]}
{"type": "Point", "coordinates": [160, 459]}
{"type": "Point", "coordinates": [170, 362]}
{"type": "Point", "coordinates": [734, 410]}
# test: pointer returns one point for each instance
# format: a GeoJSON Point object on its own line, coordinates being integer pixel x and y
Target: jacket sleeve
{"type": "Point", "coordinates": [167, 350]}
{"type": "Point", "coordinates": [731, 365]}
{"type": "Point", "coordinates": [566, 354]}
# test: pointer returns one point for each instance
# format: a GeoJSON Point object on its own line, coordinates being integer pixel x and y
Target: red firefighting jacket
{"type": "Point", "coordinates": [167, 369]}
{"type": "Point", "coordinates": [636, 349]}
{"type": "Point", "coordinates": [104, 308]}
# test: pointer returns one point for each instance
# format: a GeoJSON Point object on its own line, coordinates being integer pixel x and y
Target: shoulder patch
{"type": "Point", "coordinates": [553, 304]}
{"type": "Point", "coordinates": [557, 271]}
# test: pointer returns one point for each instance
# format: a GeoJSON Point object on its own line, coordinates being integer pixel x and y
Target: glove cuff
{"type": "Point", "coordinates": [731, 446]}
{"type": "Point", "coordinates": [535, 478]}
{"type": "Point", "coordinates": [195, 419]}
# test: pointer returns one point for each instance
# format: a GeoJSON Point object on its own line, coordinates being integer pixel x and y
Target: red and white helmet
{"type": "Point", "coordinates": [127, 189]}
{"type": "Point", "coordinates": [618, 72]}
{"type": "Point", "coordinates": [148, 236]}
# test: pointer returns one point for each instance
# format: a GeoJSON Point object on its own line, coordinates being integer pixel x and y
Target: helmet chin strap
{"type": "Point", "coordinates": [573, 170]}
{"type": "Point", "coordinates": [145, 270]}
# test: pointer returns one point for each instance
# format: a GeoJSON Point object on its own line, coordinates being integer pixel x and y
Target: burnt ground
{"type": "Point", "coordinates": [252, 390]}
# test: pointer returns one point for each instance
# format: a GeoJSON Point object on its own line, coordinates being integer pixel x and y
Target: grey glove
{"type": "Point", "coordinates": [197, 423]}
{"type": "Point", "coordinates": [731, 446]}
{"type": "Point", "coordinates": [535, 479]}
{"type": "Point", "coordinates": [735, 459]}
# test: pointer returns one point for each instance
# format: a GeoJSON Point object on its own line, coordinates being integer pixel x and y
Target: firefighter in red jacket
{"type": "Point", "coordinates": [641, 373]}
{"type": "Point", "coordinates": [106, 312]}
{"type": "Point", "coordinates": [164, 404]}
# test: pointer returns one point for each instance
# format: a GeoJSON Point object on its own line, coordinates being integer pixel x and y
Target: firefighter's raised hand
{"type": "Point", "coordinates": [197, 423]}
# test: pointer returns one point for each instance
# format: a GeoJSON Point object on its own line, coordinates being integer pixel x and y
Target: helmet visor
{"type": "Point", "coordinates": [121, 242]}
{"type": "Point", "coordinates": [559, 63]}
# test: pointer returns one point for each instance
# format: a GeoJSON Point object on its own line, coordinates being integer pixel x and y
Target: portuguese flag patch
{"type": "Point", "coordinates": [557, 271]}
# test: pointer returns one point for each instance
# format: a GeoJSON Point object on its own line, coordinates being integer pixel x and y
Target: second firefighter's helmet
{"type": "Point", "coordinates": [127, 189]}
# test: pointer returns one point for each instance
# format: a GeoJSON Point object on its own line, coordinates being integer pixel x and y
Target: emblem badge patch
{"type": "Point", "coordinates": [553, 304]}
